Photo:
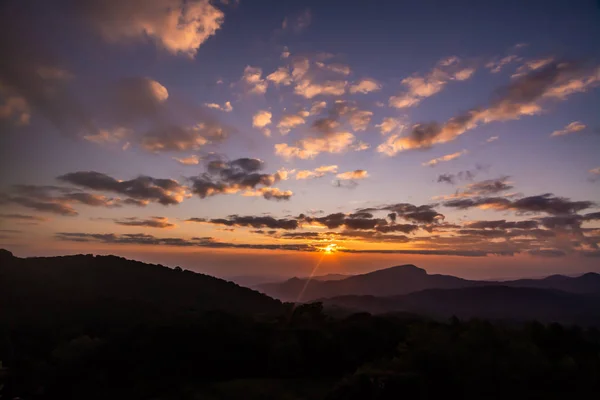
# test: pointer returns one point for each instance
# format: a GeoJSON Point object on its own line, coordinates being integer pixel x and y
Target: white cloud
{"type": "Point", "coordinates": [309, 89]}
{"type": "Point", "coordinates": [178, 26]}
{"type": "Point", "coordinates": [389, 124]}
{"type": "Point", "coordinates": [421, 87]}
{"type": "Point", "coordinates": [310, 147]}
{"type": "Point", "coordinates": [496, 66]}
{"type": "Point", "coordinates": [317, 107]}
{"type": "Point", "coordinates": [109, 136]}
{"type": "Point", "coordinates": [191, 160]}
{"type": "Point", "coordinates": [447, 157]}
{"type": "Point", "coordinates": [341, 69]}
{"type": "Point", "coordinates": [253, 82]}
{"type": "Point", "coordinates": [227, 107]}
{"type": "Point", "coordinates": [365, 85]}
{"type": "Point", "coordinates": [280, 77]}
{"type": "Point", "coordinates": [261, 119]}
{"type": "Point", "coordinates": [317, 172]}
{"type": "Point", "coordinates": [353, 175]}
{"type": "Point", "coordinates": [360, 119]}
{"type": "Point", "coordinates": [492, 139]}
{"type": "Point", "coordinates": [289, 121]}
{"type": "Point", "coordinates": [573, 127]}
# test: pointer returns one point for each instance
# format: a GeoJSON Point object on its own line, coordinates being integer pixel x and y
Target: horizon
{"type": "Point", "coordinates": [241, 139]}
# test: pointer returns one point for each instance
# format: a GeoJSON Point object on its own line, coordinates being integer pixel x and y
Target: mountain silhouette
{"type": "Point", "coordinates": [385, 282]}
{"type": "Point", "coordinates": [406, 279]}
{"type": "Point", "coordinates": [118, 289]}
{"type": "Point", "coordinates": [491, 302]}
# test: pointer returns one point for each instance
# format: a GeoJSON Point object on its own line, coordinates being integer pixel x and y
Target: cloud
{"type": "Point", "coordinates": [309, 89]}
{"type": "Point", "coordinates": [352, 175]}
{"type": "Point", "coordinates": [544, 203]}
{"type": "Point", "coordinates": [251, 221]}
{"type": "Point", "coordinates": [178, 26]}
{"type": "Point", "coordinates": [421, 87]}
{"type": "Point", "coordinates": [317, 172]}
{"type": "Point", "coordinates": [104, 136]}
{"type": "Point", "coordinates": [410, 212]}
{"type": "Point", "coordinates": [503, 224]}
{"type": "Point", "coordinates": [228, 177]}
{"type": "Point", "coordinates": [143, 188]}
{"type": "Point", "coordinates": [145, 239]}
{"type": "Point", "coordinates": [55, 199]}
{"type": "Point", "coordinates": [23, 217]}
{"type": "Point", "coordinates": [466, 175]}
{"type": "Point", "coordinates": [547, 253]}
{"type": "Point", "coordinates": [253, 82]}
{"type": "Point", "coordinates": [15, 108]}
{"type": "Point", "coordinates": [152, 222]}
{"type": "Point", "coordinates": [281, 76]}
{"type": "Point", "coordinates": [364, 86]}
{"type": "Point", "coordinates": [289, 122]}
{"type": "Point", "coordinates": [335, 68]}
{"type": "Point", "coordinates": [270, 193]}
{"type": "Point", "coordinates": [261, 119]}
{"type": "Point", "coordinates": [177, 138]}
{"type": "Point", "coordinates": [336, 142]}
{"type": "Point", "coordinates": [389, 124]}
{"type": "Point", "coordinates": [482, 188]}
{"type": "Point", "coordinates": [191, 160]}
{"type": "Point", "coordinates": [522, 97]}
{"type": "Point", "coordinates": [532, 65]}
{"type": "Point", "coordinates": [496, 66]}
{"type": "Point", "coordinates": [447, 157]}
{"type": "Point", "coordinates": [491, 139]}
{"type": "Point", "coordinates": [227, 107]}
{"type": "Point", "coordinates": [360, 119]}
{"type": "Point", "coordinates": [317, 107]}
{"type": "Point", "coordinates": [297, 23]}
{"type": "Point", "coordinates": [573, 127]}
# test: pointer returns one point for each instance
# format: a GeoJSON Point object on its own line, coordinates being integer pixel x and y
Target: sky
{"type": "Point", "coordinates": [282, 138]}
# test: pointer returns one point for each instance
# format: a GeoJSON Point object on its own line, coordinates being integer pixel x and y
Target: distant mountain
{"type": "Point", "coordinates": [385, 282]}
{"type": "Point", "coordinates": [586, 283]}
{"type": "Point", "coordinates": [491, 302]}
{"type": "Point", "coordinates": [406, 279]}
{"type": "Point", "coordinates": [114, 290]}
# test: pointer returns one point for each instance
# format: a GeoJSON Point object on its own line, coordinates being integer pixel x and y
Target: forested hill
{"type": "Point", "coordinates": [110, 288]}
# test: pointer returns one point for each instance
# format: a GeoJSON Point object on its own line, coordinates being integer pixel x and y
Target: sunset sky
{"type": "Point", "coordinates": [263, 137]}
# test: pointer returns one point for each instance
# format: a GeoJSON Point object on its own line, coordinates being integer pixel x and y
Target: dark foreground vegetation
{"type": "Point", "coordinates": [66, 333]}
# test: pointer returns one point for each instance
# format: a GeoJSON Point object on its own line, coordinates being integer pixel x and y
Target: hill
{"type": "Point", "coordinates": [114, 290]}
{"type": "Point", "coordinates": [385, 282]}
{"type": "Point", "coordinates": [491, 302]}
{"type": "Point", "coordinates": [406, 279]}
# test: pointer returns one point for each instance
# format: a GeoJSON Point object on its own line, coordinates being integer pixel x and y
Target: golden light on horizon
{"type": "Point", "coordinates": [330, 248]}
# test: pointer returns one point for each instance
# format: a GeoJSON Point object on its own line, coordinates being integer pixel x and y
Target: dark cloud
{"type": "Point", "coordinates": [142, 188]}
{"type": "Point", "coordinates": [460, 253]}
{"type": "Point", "coordinates": [222, 177]}
{"type": "Point", "coordinates": [23, 217]}
{"type": "Point", "coordinates": [54, 199]}
{"type": "Point", "coordinates": [356, 221]}
{"type": "Point", "coordinates": [145, 239]}
{"type": "Point", "coordinates": [420, 214]}
{"type": "Point", "coordinates": [466, 175]}
{"type": "Point", "coordinates": [152, 222]}
{"type": "Point", "coordinates": [251, 221]}
{"type": "Point", "coordinates": [544, 203]}
{"type": "Point", "coordinates": [547, 253]}
{"type": "Point", "coordinates": [503, 224]}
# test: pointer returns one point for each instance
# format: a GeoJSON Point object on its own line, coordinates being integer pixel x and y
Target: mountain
{"type": "Point", "coordinates": [586, 283]}
{"type": "Point", "coordinates": [492, 302]}
{"type": "Point", "coordinates": [385, 282]}
{"type": "Point", "coordinates": [406, 279]}
{"type": "Point", "coordinates": [114, 289]}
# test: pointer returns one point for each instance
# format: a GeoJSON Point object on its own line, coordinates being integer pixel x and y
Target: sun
{"type": "Point", "coordinates": [329, 249]}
